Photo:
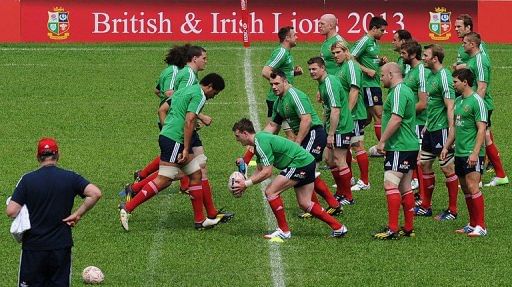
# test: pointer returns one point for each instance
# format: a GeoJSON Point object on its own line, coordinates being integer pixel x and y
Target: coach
{"type": "Point", "coordinates": [49, 193]}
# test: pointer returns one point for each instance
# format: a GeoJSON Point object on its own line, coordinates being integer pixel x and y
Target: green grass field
{"type": "Point", "coordinates": [97, 101]}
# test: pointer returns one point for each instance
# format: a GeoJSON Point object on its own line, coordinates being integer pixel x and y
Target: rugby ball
{"type": "Point", "coordinates": [233, 178]}
{"type": "Point", "coordinates": [92, 275]}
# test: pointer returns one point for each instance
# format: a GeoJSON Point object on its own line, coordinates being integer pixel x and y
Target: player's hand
{"type": "Point", "coordinates": [370, 73]}
{"type": "Point", "coordinates": [183, 156]}
{"type": "Point", "coordinates": [239, 187]}
{"type": "Point", "coordinates": [443, 154]}
{"type": "Point", "coordinates": [472, 160]}
{"type": "Point", "coordinates": [318, 97]}
{"type": "Point", "coordinates": [297, 71]}
{"type": "Point", "coordinates": [330, 141]}
{"type": "Point", "coordinates": [383, 60]}
{"type": "Point", "coordinates": [72, 220]}
{"type": "Point", "coordinates": [206, 120]}
{"type": "Point", "coordinates": [380, 148]}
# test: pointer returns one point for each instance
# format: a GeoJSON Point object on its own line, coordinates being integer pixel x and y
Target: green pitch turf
{"type": "Point", "coordinates": [98, 101]}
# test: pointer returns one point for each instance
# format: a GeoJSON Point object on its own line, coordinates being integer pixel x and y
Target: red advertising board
{"type": "Point", "coordinates": [202, 20]}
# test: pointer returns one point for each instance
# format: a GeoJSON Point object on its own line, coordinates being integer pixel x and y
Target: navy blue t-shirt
{"type": "Point", "coordinates": [49, 194]}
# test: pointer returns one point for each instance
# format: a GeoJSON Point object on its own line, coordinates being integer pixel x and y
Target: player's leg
{"type": "Point", "coordinates": [357, 145]}
{"type": "Point", "coordinates": [273, 195]}
{"type": "Point", "coordinates": [473, 179]}
{"type": "Point", "coordinates": [342, 174]}
{"type": "Point", "coordinates": [451, 181]}
{"type": "Point", "coordinates": [407, 195]}
{"type": "Point", "coordinates": [494, 157]}
{"type": "Point", "coordinates": [427, 158]}
{"type": "Point", "coordinates": [303, 179]}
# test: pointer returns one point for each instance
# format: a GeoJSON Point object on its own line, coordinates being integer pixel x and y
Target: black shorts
{"type": "Point", "coordinates": [270, 108]}
{"type": "Point", "coordinates": [372, 96]}
{"type": "Point", "coordinates": [359, 126]}
{"type": "Point", "coordinates": [433, 142]}
{"type": "Point", "coordinates": [45, 267]}
{"type": "Point", "coordinates": [462, 168]}
{"type": "Point", "coordinates": [196, 141]}
{"type": "Point", "coordinates": [302, 175]}
{"type": "Point", "coordinates": [315, 142]}
{"type": "Point", "coordinates": [401, 161]}
{"type": "Point", "coordinates": [489, 114]}
{"type": "Point", "coordinates": [342, 140]}
{"type": "Point", "coordinates": [169, 149]}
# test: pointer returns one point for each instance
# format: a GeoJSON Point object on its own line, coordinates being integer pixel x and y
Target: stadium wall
{"type": "Point", "coordinates": [208, 20]}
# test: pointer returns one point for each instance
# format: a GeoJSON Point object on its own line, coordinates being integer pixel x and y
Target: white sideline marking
{"type": "Point", "coordinates": [274, 253]}
{"type": "Point", "coordinates": [155, 251]}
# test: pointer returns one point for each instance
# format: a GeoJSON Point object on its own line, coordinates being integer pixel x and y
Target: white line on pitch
{"type": "Point", "coordinates": [276, 265]}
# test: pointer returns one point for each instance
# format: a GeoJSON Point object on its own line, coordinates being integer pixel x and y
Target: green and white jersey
{"type": "Point", "coordinates": [350, 74]}
{"type": "Point", "coordinates": [480, 65]}
{"type": "Point", "coordinates": [401, 102]}
{"type": "Point", "coordinates": [280, 152]}
{"type": "Point", "coordinates": [291, 106]}
{"type": "Point", "coordinates": [334, 96]}
{"type": "Point", "coordinates": [468, 111]}
{"type": "Point", "coordinates": [439, 87]}
{"type": "Point", "coordinates": [325, 52]}
{"type": "Point", "coordinates": [186, 77]}
{"type": "Point", "coordinates": [416, 79]}
{"type": "Point", "coordinates": [167, 81]}
{"type": "Point", "coordinates": [189, 99]}
{"type": "Point", "coordinates": [366, 51]}
{"type": "Point", "coordinates": [281, 59]}
{"type": "Point", "coordinates": [405, 68]}
{"type": "Point", "coordinates": [463, 57]}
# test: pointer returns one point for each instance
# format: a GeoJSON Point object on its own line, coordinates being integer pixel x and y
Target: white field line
{"type": "Point", "coordinates": [276, 265]}
{"type": "Point", "coordinates": [155, 250]}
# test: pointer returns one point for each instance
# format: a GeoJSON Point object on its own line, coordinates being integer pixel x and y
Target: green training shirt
{"type": "Point", "coordinates": [468, 111]}
{"type": "Point", "coordinates": [188, 99]}
{"type": "Point", "coordinates": [439, 87]}
{"type": "Point", "coordinates": [290, 106]}
{"type": "Point", "coordinates": [366, 51]}
{"type": "Point", "coordinates": [281, 59]}
{"type": "Point", "coordinates": [334, 96]}
{"type": "Point", "coordinates": [401, 102]}
{"type": "Point", "coordinates": [280, 152]}
{"type": "Point", "coordinates": [480, 65]}
{"type": "Point", "coordinates": [416, 79]}
{"type": "Point", "coordinates": [350, 75]}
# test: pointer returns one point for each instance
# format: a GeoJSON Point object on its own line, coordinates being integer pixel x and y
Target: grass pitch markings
{"type": "Point", "coordinates": [276, 265]}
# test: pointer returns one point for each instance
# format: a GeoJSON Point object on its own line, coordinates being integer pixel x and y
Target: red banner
{"type": "Point", "coordinates": [221, 20]}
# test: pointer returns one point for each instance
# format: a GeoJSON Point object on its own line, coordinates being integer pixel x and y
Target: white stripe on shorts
{"type": "Point", "coordinates": [369, 97]}
{"type": "Point", "coordinates": [175, 152]}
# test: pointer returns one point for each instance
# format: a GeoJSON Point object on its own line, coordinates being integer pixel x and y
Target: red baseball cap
{"type": "Point", "coordinates": [47, 146]}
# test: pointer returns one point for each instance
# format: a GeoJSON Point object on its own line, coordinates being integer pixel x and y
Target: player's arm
{"type": "Point", "coordinates": [333, 120]}
{"type": "Point", "coordinates": [479, 141]}
{"type": "Point", "coordinates": [13, 208]}
{"type": "Point", "coordinates": [449, 142]}
{"type": "Point", "coordinates": [449, 103]}
{"type": "Point", "coordinates": [305, 125]}
{"type": "Point", "coordinates": [367, 71]}
{"type": "Point", "coordinates": [162, 112]}
{"type": "Point", "coordinates": [421, 105]}
{"type": "Point", "coordinates": [169, 93]}
{"type": "Point", "coordinates": [206, 119]}
{"type": "Point", "coordinates": [272, 127]}
{"type": "Point", "coordinates": [481, 89]}
{"type": "Point", "coordinates": [190, 123]}
{"type": "Point", "coordinates": [266, 71]}
{"type": "Point", "coordinates": [92, 195]}
{"type": "Point", "coordinates": [352, 97]}
{"type": "Point", "coordinates": [393, 125]}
